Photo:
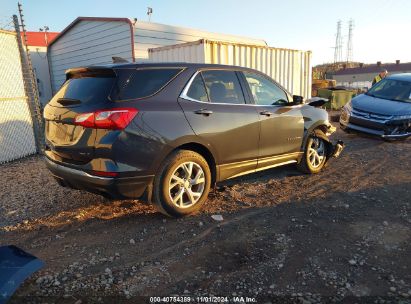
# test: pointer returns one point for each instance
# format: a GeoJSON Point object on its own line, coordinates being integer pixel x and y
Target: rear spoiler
{"type": "Point", "coordinates": [119, 59]}
{"type": "Point", "coordinates": [90, 72]}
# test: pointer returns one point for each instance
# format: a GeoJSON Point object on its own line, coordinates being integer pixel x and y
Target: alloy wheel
{"type": "Point", "coordinates": [316, 152]}
{"type": "Point", "coordinates": [186, 184]}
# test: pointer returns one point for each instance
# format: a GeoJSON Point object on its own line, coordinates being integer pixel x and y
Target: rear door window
{"type": "Point", "coordinates": [197, 90]}
{"type": "Point", "coordinates": [140, 83]}
{"type": "Point", "coordinates": [223, 86]}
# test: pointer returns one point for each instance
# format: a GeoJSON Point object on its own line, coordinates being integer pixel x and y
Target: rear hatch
{"type": "Point", "coordinates": [86, 90]}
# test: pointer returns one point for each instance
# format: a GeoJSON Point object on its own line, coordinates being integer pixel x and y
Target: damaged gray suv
{"type": "Point", "coordinates": [166, 133]}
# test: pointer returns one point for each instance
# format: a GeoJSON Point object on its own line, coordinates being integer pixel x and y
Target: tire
{"type": "Point", "coordinates": [308, 164]}
{"type": "Point", "coordinates": [176, 192]}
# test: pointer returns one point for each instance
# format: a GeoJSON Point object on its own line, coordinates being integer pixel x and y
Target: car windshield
{"type": "Point", "coordinates": [392, 89]}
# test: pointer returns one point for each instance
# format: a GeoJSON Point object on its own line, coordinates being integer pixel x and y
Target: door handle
{"type": "Point", "coordinates": [266, 113]}
{"type": "Point", "coordinates": [203, 112]}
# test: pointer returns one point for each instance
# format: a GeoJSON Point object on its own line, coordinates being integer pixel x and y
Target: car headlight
{"type": "Point", "coordinates": [348, 107]}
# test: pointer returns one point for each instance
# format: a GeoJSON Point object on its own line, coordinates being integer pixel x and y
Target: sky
{"type": "Point", "coordinates": [381, 32]}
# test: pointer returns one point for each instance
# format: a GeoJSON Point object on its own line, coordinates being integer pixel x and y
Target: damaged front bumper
{"type": "Point", "coordinates": [333, 150]}
{"type": "Point", "coordinates": [396, 136]}
{"type": "Point", "coordinates": [337, 149]}
{"type": "Point", "coordinates": [386, 127]}
{"type": "Point", "coordinates": [397, 129]}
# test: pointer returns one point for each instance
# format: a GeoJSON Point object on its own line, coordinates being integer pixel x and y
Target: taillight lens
{"type": "Point", "coordinates": [113, 119]}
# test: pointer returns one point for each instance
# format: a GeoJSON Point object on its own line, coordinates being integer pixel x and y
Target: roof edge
{"type": "Point", "coordinates": [203, 40]}
{"type": "Point", "coordinates": [78, 19]}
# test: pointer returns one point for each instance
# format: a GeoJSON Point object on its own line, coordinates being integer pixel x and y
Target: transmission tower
{"type": "Point", "coordinates": [349, 42]}
{"type": "Point", "coordinates": [338, 44]}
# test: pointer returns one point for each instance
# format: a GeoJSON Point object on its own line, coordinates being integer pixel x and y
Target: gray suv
{"type": "Point", "coordinates": [166, 133]}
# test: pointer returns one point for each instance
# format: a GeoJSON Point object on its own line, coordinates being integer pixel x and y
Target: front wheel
{"type": "Point", "coordinates": [315, 155]}
{"type": "Point", "coordinates": [182, 185]}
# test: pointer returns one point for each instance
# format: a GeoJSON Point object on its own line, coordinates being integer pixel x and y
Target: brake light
{"type": "Point", "coordinates": [113, 119]}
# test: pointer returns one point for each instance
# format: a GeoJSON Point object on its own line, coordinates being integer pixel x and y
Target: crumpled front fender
{"type": "Point", "coordinates": [333, 150]}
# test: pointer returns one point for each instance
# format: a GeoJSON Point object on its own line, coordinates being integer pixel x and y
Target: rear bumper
{"type": "Point", "coordinates": [112, 187]}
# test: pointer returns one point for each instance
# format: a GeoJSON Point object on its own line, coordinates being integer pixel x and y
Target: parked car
{"type": "Point", "coordinates": [385, 110]}
{"type": "Point", "coordinates": [166, 133]}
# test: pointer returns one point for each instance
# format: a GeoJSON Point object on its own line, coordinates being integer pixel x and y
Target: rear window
{"type": "Point", "coordinates": [84, 90]}
{"type": "Point", "coordinates": [140, 83]}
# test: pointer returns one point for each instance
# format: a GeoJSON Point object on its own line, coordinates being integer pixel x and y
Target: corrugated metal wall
{"type": "Point", "coordinates": [291, 68]}
{"type": "Point", "coordinates": [151, 35]}
{"type": "Point", "coordinates": [89, 42]}
{"type": "Point", "coordinates": [16, 125]}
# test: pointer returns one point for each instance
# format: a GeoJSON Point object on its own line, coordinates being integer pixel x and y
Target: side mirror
{"type": "Point", "coordinates": [297, 99]}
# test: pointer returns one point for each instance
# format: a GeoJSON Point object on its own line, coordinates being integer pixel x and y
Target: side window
{"type": "Point", "coordinates": [140, 83]}
{"type": "Point", "coordinates": [223, 87]}
{"type": "Point", "coordinates": [197, 89]}
{"type": "Point", "coordinates": [264, 91]}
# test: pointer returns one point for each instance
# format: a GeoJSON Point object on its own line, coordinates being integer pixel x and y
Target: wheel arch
{"type": "Point", "coordinates": [204, 152]}
{"type": "Point", "coordinates": [321, 125]}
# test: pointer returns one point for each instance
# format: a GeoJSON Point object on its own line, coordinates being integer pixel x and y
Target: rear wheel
{"type": "Point", "coordinates": [182, 185]}
{"type": "Point", "coordinates": [315, 155]}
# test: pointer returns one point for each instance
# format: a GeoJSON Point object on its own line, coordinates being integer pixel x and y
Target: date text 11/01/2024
{"type": "Point", "coordinates": [202, 299]}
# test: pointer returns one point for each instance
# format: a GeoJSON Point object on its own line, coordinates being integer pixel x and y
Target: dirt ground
{"type": "Point", "coordinates": [341, 235]}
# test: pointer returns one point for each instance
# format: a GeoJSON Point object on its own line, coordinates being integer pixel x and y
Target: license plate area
{"type": "Point", "coordinates": [62, 134]}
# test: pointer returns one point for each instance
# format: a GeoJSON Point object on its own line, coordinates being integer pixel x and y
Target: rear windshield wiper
{"type": "Point", "coordinates": [68, 101]}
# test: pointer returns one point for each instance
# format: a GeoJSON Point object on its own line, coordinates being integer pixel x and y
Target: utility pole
{"type": "Point", "coordinates": [149, 13]}
{"type": "Point", "coordinates": [30, 80]}
{"type": "Point", "coordinates": [46, 38]}
{"type": "Point", "coordinates": [338, 44]}
{"type": "Point", "coordinates": [349, 42]}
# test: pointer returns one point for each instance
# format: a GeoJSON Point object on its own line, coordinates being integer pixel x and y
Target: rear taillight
{"type": "Point", "coordinates": [114, 119]}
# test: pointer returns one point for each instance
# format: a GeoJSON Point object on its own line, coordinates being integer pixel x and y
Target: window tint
{"type": "Point", "coordinates": [264, 91]}
{"type": "Point", "coordinates": [133, 84]}
{"type": "Point", "coordinates": [223, 87]}
{"type": "Point", "coordinates": [86, 90]}
{"type": "Point", "coordinates": [197, 89]}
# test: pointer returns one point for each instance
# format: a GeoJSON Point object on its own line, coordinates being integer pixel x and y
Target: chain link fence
{"type": "Point", "coordinates": [21, 125]}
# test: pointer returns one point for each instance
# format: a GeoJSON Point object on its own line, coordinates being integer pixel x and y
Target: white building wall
{"type": "Point", "coordinates": [359, 80]}
{"type": "Point", "coordinates": [40, 64]}
{"type": "Point", "coordinates": [88, 42]}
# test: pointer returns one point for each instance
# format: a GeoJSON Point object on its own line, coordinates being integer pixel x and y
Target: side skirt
{"type": "Point", "coordinates": [236, 169]}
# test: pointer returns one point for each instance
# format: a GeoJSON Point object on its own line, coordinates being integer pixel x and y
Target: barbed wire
{"type": "Point", "coordinates": [6, 23]}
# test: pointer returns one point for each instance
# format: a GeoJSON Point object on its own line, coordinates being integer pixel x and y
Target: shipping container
{"type": "Point", "coordinates": [94, 41]}
{"type": "Point", "coordinates": [290, 68]}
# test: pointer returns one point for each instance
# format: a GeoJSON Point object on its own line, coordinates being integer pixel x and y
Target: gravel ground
{"type": "Point", "coordinates": [341, 235]}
